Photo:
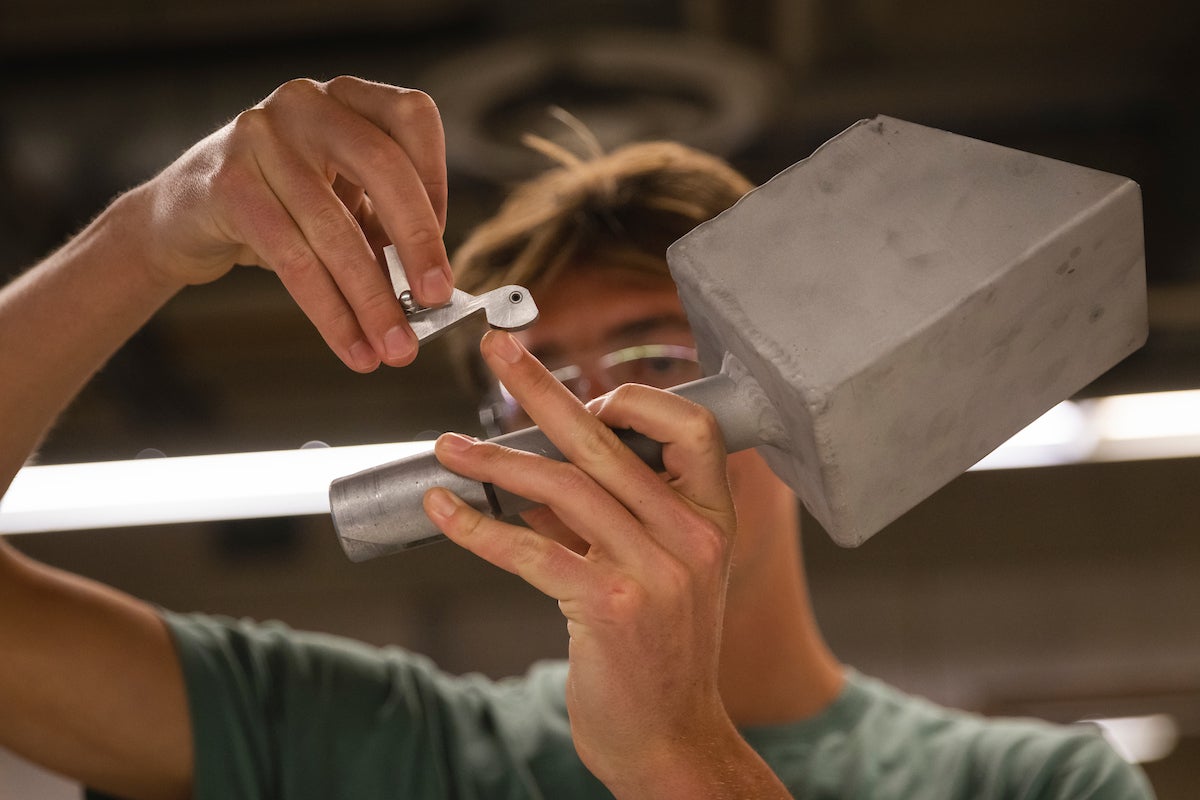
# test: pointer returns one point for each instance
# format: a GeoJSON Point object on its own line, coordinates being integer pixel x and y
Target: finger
{"type": "Point", "coordinates": [545, 565]}
{"type": "Point", "coordinates": [584, 440]}
{"type": "Point", "coordinates": [581, 504]}
{"type": "Point", "coordinates": [279, 244]}
{"type": "Point", "coordinates": [698, 523]}
{"type": "Point", "coordinates": [352, 195]}
{"type": "Point", "coordinates": [412, 119]}
{"type": "Point", "coordinates": [693, 453]}
{"type": "Point", "coordinates": [369, 222]}
{"type": "Point", "coordinates": [341, 247]}
{"type": "Point", "coordinates": [543, 520]}
{"type": "Point", "coordinates": [356, 200]}
{"type": "Point", "coordinates": [389, 141]}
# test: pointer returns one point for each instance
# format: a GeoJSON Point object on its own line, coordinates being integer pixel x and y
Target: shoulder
{"type": "Point", "coordinates": [217, 644]}
{"type": "Point", "coordinates": [1005, 756]}
{"type": "Point", "coordinates": [317, 709]}
{"type": "Point", "coordinates": [270, 661]}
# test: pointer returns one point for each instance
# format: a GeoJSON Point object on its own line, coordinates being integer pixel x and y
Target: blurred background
{"type": "Point", "coordinates": [1061, 592]}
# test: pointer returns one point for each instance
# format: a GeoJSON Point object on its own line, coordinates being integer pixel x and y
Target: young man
{"type": "Point", "coordinates": [686, 677]}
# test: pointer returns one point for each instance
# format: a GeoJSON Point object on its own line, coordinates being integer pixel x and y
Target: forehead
{"type": "Point", "coordinates": [593, 307]}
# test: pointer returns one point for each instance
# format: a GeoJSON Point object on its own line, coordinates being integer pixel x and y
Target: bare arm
{"type": "Point", "coordinates": [87, 673]}
{"type": "Point", "coordinates": [90, 683]}
{"type": "Point", "coordinates": [309, 184]}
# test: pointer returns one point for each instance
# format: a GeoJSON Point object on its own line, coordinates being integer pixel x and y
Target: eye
{"type": "Point", "coordinates": [662, 372]}
{"type": "Point", "coordinates": [661, 366]}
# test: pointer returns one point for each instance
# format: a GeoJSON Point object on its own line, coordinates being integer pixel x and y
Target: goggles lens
{"type": "Point", "coordinates": [662, 366]}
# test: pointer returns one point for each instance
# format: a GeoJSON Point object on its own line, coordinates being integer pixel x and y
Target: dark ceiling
{"type": "Point", "coordinates": [99, 96]}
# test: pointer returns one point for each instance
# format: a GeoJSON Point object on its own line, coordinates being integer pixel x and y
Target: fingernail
{"type": "Point", "coordinates": [505, 345]}
{"type": "Point", "coordinates": [435, 286]}
{"type": "Point", "coordinates": [362, 356]}
{"type": "Point", "coordinates": [441, 503]}
{"type": "Point", "coordinates": [455, 442]}
{"type": "Point", "coordinates": [399, 343]}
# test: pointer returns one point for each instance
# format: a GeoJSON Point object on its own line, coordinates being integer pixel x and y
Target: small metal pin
{"type": "Point", "coordinates": [400, 283]}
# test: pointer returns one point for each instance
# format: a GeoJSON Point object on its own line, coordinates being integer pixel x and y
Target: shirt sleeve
{"type": "Point", "coordinates": [1088, 768]}
{"type": "Point", "coordinates": [1040, 761]}
{"type": "Point", "coordinates": [277, 713]}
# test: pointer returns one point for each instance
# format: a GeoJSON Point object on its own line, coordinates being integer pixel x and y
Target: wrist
{"type": "Point", "coordinates": [132, 223]}
{"type": "Point", "coordinates": [118, 249]}
{"type": "Point", "coordinates": [716, 764]}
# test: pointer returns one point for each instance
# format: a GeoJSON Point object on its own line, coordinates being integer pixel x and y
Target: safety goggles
{"type": "Point", "coordinates": [662, 366]}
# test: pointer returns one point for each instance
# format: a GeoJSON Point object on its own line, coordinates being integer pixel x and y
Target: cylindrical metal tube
{"type": "Point", "coordinates": [379, 510]}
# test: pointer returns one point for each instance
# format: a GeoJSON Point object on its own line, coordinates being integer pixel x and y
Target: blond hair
{"type": "Point", "coordinates": [619, 209]}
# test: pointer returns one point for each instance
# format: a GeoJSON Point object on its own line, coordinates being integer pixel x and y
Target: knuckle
{"type": "Point", "coordinates": [700, 424]}
{"type": "Point", "coordinates": [624, 394]}
{"type": "Point", "coordinates": [464, 524]}
{"type": "Point", "coordinates": [333, 223]}
{"type": "Point", "coordinates": [374, 302]}
{"type": "Point", "coordinates": [296, 262]}
{"type": "Point", "coordinates": [422, 236]}
{"type": "Point", "coordinates": [252, 122]}
{"type": "Point", "coordinates": [537, 382]}
{"type": "Point", "coordinates": [297, 89]}
{"type": "Point", "coordinates": [436, 190]}
{"type": "Point", "coordinates": [570, 480]}
{"type": "Point", "coordinates": [251, 129]}
{"type": "Point", "coordinates": [621, 600]}
{"type": "Point", "coordinates": [415, 103]}
{"type": "Point", "coordinates": [491, 457]}
{"type": "Point", "coordinates": [374, 148]}
{"type": "Point", "coordinates": [340, 83]}
{"type": "Point", "coordinates": [708, 544]}
{"type": "Point", "coordinates": [523, 553]}
{"type": "Point", "coordinates": [595, 443]}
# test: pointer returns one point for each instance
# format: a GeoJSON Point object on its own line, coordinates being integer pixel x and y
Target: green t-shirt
{"type": "Point", "coordinates": [282, 714]}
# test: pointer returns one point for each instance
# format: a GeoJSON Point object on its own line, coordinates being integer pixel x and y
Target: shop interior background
{"type": "Point", "coordinates": [1062, 592]}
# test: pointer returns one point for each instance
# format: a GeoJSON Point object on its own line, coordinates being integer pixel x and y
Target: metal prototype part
{"type": "Point", "coordinates": [378, 510]}
{"type": "Point", "coordinates": [885, 313]}
{"type": "Point", "coordinates": [509, 307]}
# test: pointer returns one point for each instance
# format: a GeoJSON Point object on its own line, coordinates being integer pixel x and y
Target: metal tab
{"type": "Point", "coordinates": [509, 307]}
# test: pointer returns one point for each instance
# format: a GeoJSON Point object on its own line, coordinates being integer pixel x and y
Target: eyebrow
{"type": "Point", "coordinates": [640, 327]}
{"type": "Point", "coordinates": [628, 330]}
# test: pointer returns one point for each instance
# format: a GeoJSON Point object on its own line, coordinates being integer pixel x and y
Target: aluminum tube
{"type": "Point", "coordinates": [379, 511]}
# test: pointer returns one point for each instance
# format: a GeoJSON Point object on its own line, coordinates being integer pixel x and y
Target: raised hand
{"type": "Point", "coordinates": [638, 562]}
{"type": "Point", "coordinates": [311, 184]}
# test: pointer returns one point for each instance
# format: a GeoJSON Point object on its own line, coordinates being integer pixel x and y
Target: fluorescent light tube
{"type": "Point", "coordinates": [151, 491]}
{"type": "Point", "coordinates": [279, 483]}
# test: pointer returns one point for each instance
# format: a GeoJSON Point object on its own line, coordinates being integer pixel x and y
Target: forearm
{"type": "Point", "coordinates": [310, 184]}
{"type": "Point", "coordinates": [61, 320]}
{"type": "Point", "coordinates": [89, 685]}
